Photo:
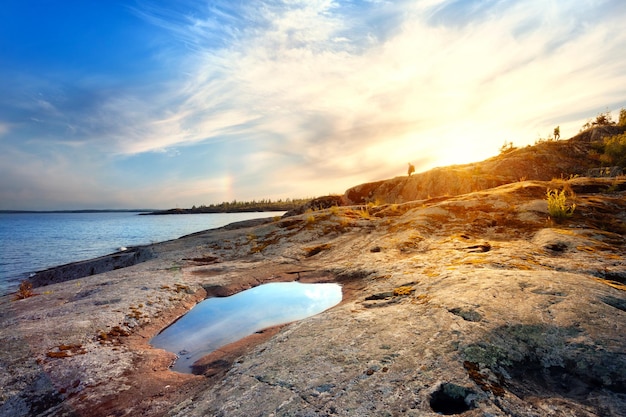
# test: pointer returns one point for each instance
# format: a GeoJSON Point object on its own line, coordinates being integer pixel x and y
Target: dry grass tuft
{"type": "Point", "coordinates": [558, 206]}
{"type": "Point", "coordinates": [24, 291]}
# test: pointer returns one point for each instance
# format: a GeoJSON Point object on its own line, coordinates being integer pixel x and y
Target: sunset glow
{"type": "Point", "coordinates": [158, 104]}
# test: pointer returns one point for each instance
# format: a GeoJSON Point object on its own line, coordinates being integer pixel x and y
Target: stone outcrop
{"type": "Point", "coordinates": [434, 183]}
{"type": "Point", "coordinates": [319, 203]}
{"type": "Point", "coordinates": [475, 304]}
{"type": "Point", "coordinates": [544, 162]}
{"type": "Point", "coordinates": [76, 270]}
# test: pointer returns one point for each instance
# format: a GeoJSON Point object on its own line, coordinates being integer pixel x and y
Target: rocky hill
{"type": "Point", "coordinates": [543, 161]}
{"type": "Point", "coordinates": [469, 299]}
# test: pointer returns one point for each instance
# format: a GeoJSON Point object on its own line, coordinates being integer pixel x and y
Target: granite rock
{"type": "Point", "coordinates": [476, 304]}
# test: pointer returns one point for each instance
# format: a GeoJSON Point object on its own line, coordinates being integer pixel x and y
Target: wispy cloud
{"type": "Point", "coordinates": [318, 95]}
{"type": "Point", "coordinates": [312, 80]}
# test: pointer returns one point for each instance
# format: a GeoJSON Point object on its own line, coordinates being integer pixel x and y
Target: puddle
{"type": "Point", "coordinates": [216, 322]}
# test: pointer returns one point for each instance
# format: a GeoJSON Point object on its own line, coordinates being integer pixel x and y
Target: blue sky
{"type": "Point", "coordinates": [122, 104]}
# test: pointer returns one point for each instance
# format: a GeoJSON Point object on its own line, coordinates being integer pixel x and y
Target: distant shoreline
{"type": "Point", "coordinates": [77, 211]}
{"type": "Point", "coordinates": [209, 211]}
{"type": "Point", "coordinates": [234, 207]}
{"type": "Point", "coordinates": [262, 206]}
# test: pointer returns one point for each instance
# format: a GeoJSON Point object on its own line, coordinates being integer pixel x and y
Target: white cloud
{"type": "Point", "coordinates": [285, 80]}
{"type": "Point", "coordinates": [288, 83]}
{"type": "Point", "coordinates": [315, 96]}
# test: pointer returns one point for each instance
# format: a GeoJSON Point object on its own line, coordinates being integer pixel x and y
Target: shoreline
{"type": "Point", "coordinates": [103, 263]}
{"type": "Point", "coordinates": [208, 211]}
{"type": "Point", "coordinates": [117, 260]}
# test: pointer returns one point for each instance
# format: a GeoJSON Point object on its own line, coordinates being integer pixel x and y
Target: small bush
{"type": "Point", "coordinates": [615, 150]}
{"type": "Point", "coordinates": [558, 207]}
{"type": "Point", "coordinates": [364, 213]}
{"type": "Point", "coordinates": [25, 291]}
{"type": "Point", "coordinates": [602, 119]}
{"type": "Point", "coordinates": [507, 147]}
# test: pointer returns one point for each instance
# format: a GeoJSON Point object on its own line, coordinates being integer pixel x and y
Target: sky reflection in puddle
{"type": "Point", "coordinates": [216, 322]}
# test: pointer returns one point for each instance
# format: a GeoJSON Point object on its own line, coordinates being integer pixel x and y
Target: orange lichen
{"type": "Point", "coordinates": [182, 288]}
{"type": "Point", "coordinates": [65, 351]}
{"type": "Point", "coordinates": [405, 290]}
{"type": "Point", "coordinates": [422, 299]}
{"type": "Point", "coordinates": [136, 313]}
{"type": "Point", "coordinates": [113, 336]}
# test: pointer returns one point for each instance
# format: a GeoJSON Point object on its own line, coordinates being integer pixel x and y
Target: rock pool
{"type": "Point", "coordinates": [216, 322]}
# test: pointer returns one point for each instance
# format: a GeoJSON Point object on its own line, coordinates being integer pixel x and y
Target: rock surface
{"type": "Point", "coordinates": [474, 305]}
{"type": "Point", "coordinates": [90, 267]}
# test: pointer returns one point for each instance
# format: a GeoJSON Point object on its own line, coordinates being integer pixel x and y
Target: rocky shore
{"type": "Point", "coordinates": [475, 305]}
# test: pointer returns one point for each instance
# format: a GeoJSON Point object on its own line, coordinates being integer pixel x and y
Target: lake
{"type": "Point", "coordinates": [31, 242]}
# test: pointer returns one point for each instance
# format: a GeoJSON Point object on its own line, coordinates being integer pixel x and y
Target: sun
{"type": "Point", "coordinates": [428, 150]}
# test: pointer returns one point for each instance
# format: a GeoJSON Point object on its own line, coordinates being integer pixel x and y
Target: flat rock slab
{"type": "Point", "coordinates": [474, 305]}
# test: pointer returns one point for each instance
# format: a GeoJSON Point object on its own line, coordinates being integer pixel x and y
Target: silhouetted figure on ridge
{"type": "Point", "coordinates": [411, 169]}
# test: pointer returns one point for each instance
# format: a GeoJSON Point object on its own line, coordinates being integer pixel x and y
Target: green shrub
{"type": "Point", "coordinates": [615, 150]}
{"type": "Point", "coordinates": [558, 207]}
{"type": "Point", "coordinates": [622, 118]}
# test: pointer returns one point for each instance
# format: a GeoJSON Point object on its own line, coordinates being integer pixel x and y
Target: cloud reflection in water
{"type": "Point", "coordinates": [216, 322]}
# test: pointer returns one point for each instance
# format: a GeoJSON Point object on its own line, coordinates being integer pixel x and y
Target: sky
{"type": "Point", "coordinates": [161, 104]}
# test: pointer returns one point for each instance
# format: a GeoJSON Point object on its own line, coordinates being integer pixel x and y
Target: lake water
{"type": "Point", "coordinates": [31, 242]}
{"type": "Point", "coordinates": [216, 322]}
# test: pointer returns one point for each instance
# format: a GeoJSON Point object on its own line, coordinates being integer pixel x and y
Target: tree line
{"type": "Point", "coordinates": [241, 206]}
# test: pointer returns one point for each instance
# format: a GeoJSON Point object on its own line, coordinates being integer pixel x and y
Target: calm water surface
{"type": "Point", "coordinates": [216, 322]}
{"type": "Point", "coordinates": [30, 242]}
